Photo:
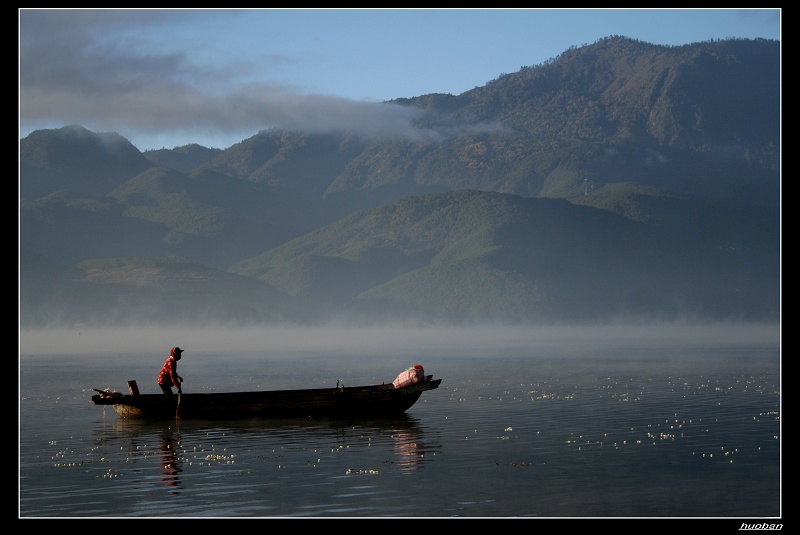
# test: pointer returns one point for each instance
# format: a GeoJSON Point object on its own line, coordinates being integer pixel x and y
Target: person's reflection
{"type": "Point", "coordinates": [170, 466]}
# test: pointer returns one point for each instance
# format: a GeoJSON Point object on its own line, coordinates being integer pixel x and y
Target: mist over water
{"type": "Point", "coordinates": [463, 341]}
{"type": "Point", "coordinates": [401, 344]}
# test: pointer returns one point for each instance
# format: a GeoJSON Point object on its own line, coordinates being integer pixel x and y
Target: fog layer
{"type": "Point", "coordinates": [414, 342]}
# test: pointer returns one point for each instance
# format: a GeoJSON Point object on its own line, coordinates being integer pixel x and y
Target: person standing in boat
{"type": "Point", "coordinates": [168, 376]}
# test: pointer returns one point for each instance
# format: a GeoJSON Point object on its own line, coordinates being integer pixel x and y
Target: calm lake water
{"type": "Point", "coordinates": [679, 429]}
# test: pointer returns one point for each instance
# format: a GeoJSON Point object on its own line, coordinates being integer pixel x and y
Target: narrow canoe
{"type": "Point", "coordinates": [384, 400]}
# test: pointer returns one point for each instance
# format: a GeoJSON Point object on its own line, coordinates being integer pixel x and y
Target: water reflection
{"type": "Point", "coordinates": [158, 443]}
{"type": "Point", "coordinates": [170, 459]}
{"type": "Point", "coordinates": [405, 435]}
{"type": "Point", "coordinates": [408, 449]}
{"type": "Point", "coordinates": [403, 442]}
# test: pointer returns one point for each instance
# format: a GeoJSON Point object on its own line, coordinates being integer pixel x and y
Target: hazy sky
{"type": "Point", "coordinates": [167, 78]}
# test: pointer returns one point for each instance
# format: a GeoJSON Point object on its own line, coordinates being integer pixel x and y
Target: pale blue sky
{"type": "Point", "coordinates": [167, 78]}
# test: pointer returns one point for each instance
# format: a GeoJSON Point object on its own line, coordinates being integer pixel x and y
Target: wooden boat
{"type": "Point", "coordinates": [384, 400]}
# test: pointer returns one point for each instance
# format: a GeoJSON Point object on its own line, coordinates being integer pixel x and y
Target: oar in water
{"type": "Point", "coordinates": [178, 408]}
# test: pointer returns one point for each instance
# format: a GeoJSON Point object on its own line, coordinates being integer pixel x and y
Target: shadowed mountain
{"type": "Point", "coordinates": [700, 120]}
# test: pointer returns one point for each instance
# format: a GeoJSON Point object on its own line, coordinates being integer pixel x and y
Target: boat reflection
{"type": "Point", "coordinates": [409, 450]}
{"type": "Point", "coordinates": [410, 443]}
{"type": "Point", "coordinates": [200, 444]}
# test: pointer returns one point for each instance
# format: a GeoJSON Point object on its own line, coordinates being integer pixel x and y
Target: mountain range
{"type": "Point", "coordinates": [620, 181]}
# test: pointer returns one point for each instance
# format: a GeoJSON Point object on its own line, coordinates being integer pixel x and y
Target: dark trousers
{"type": "Point", "coordinates": [166, 388]}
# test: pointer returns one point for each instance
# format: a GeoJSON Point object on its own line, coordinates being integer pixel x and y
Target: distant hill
{"type": "Point", "coordinates": [182, 159]}
{"type": "Point", "coordinates": [619, 180]}
{"type": "Point", "coordinates": [146, 291]}
{"type": "Point", "coordinates": [76, 160]}
{"type": "Point", "coordinates": [468, 255]}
